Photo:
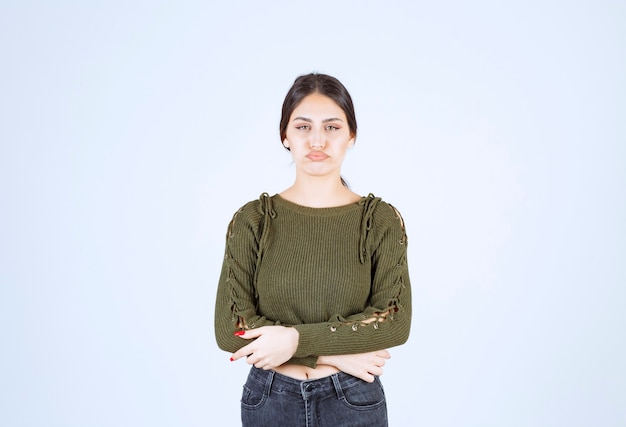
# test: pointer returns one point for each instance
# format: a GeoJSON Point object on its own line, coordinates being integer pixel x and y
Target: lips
{"type": "Point", "coordinates": [316, 156]}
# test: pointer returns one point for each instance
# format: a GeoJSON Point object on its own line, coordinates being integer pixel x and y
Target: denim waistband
{"type": "Point", "coordinates": [308, 389]}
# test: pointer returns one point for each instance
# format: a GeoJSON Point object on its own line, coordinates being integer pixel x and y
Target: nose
{"type": "Point", "coordinates": [317, 139]}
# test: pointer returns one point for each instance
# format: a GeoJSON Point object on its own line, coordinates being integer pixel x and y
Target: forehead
{"type": "Point", "coordinates": [319, 106]}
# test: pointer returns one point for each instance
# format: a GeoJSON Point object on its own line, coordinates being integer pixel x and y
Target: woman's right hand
{"type": "Point", "coordinates": [363, 365]}
{"type": "Point", "coordinates": [272, 346]}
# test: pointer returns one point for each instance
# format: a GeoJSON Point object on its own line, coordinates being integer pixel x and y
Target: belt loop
{"type": "Point", "coordinates": [337, 384]}
{"type": "Point", "coordinates": [269, 381]}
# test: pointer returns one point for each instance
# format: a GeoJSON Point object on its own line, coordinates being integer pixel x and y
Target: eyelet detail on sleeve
{"type": "Point", "coordinates": [333, 329]}
{"type": "Point", "coordinates": [354, 327]}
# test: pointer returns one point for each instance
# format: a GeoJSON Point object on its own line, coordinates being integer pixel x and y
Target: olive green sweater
{"type": "Point", "coordinates": [338, 275]}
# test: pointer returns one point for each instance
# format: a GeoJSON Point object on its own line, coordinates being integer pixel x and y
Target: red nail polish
{"type": "Point", "coordinates": [232, 360]}
{"type": "Point", "coordinates": [239, 333]}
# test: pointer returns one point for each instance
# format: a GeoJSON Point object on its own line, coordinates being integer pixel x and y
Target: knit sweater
{"type": "Point", "coordinates": [338, 275]}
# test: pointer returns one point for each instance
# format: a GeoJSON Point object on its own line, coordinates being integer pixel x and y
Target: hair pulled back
{"type": "Point", "coordinates": [323, 84]}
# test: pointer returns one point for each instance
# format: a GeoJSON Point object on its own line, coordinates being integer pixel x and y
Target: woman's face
{"type": "Point", "coordinates": [318, 136]}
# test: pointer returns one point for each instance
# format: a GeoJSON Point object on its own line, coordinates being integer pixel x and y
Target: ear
{"type": "Point", "coordinates": [285, 143]}
{"type": "Point", "coordinates": [351, 142]}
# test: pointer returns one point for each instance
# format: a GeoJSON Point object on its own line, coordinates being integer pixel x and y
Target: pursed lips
{"type": "Point", "coordinates": [317, 156]}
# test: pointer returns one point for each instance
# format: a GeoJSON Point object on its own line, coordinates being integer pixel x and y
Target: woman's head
{"type": "Point", "coordinates": [324, 85]}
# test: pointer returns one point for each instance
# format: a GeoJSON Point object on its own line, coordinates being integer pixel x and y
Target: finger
{"type": "Point", "coordinates": [258, 362]}
{"type": "Point", "coordinates": [263, 365]}
{"type": "Point", "coordinates": [376, 370]}
{"type": "Point", "coordinates": [242, 352]}
{"type": "Point", "coordinates": [250, 333]}
{"type": "Point", "coordinates": [367, 377]}
{"type": "Point", "coordinates": [251, 360]}
{"type": "Point", "coordinates": [383, 353]}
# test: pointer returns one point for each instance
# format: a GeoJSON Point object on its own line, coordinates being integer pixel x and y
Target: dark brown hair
{"type": "Point", "coordinates": [317, 83]}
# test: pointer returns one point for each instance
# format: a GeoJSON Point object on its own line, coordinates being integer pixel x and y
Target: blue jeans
{"type": "Point", "coordinates": [340, 400]}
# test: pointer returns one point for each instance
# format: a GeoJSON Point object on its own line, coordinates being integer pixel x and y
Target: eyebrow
{"type": "Point", "coordinates": [305, 119]}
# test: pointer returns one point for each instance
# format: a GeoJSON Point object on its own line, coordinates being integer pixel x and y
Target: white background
{"type": "Point", "coordinates": [132, 130]}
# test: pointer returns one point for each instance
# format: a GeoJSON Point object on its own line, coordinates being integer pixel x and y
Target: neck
{"type": "Point", "coordinates": [319, 192]}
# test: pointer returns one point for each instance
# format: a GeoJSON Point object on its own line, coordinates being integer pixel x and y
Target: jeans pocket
{"type": "Point", "coordinates": [252, 397]}
{"type": "Point", "coordinates": [363, 395]}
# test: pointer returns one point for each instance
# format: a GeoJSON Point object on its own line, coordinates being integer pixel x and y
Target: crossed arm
{"type": "Point", "coordinates": [274, 345]}
{"type": "Point", "coordinates": [335, 342]}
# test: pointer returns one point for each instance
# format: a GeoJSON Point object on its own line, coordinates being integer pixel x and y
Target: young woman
{"type": "Point", "coordinates": [315, 285]}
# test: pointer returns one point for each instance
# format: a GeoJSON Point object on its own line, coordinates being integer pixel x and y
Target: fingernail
{"type": "Point", "coordinates": [239, 333]}
{"type": "Point", "coordinates": [232, 360]}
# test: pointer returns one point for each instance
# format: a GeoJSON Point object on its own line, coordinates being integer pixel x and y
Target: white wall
{"type": "Point", "coordinates": [131, 131]}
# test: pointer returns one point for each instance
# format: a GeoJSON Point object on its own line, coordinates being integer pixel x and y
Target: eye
{"type": "Point", "coordinates": [303, 127]}
{"type": "Point", "coordinates": [332, 128]}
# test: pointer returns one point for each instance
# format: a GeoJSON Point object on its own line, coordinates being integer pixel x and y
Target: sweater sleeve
{"type": "Point", "coordinates": [386, 321]}
{"type": "Point", "coordinates": [236, 301]}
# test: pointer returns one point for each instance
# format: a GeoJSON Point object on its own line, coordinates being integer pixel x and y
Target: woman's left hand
{"type": "Point", "coordinates": [273, 346]}
{"type": "Point", "coordinates": [364, 365]}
